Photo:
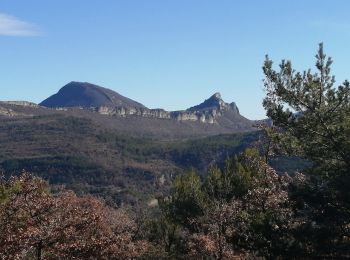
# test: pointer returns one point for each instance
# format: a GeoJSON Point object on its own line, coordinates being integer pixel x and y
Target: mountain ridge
{"type": "Point", "coordinates": [211, 117]}
{"type": "Point", "coordinates": [116, 148]}
{"type": "Point", "coordinates": [108, 102]}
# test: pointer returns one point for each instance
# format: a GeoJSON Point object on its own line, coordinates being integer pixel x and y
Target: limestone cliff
{"type": "Point", "coordinates": [21, 103]}
{"type": "Point", "coordinates": [107, 102]}
{"type": "Point", "coordinates": [207, 112]}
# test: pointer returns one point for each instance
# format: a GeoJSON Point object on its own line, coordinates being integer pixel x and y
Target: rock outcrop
{"type": "Point", "coordinates": [7, 108]}
{"type": "Point", "coordinates": [21, 103]}
{"type": "Point", "coordinates": [6, 112]}
{"type": "Point", "coordinates": [107, 102]}
{"type": "Point", "coordinates": [206, 112]}
{"type": "Point", "coordinates": [157, 113]}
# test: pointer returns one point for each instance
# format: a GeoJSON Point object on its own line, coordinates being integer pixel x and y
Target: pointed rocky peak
{"type": "Point", "coordinates": [234, 107]}
{"type": "Point", "coordinates": [216, 96]}
{"type": "Point", "coordinates": [84, 94]}
{"type": "Point", "coordinates": [214, 102]}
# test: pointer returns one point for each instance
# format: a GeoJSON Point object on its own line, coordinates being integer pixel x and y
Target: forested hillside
{"type": "Point", "coordinates": [218, 197]}
{"type": "Point", "coordinates": [90, 158]}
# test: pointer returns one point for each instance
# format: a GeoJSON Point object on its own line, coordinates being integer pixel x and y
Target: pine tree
{"type": "Point", "coordinates": [314, 117]}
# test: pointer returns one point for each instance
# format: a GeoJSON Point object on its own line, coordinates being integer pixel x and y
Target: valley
{"type": "Point", "coordinates": [125, 158]}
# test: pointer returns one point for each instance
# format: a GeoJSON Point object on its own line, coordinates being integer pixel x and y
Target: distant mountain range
{"type": "Point", "coordinates": [108, 108]}
{"type": "Point", "coordinates": [94, 140]}
{"type": "Point", "coordinates": [107, 102]}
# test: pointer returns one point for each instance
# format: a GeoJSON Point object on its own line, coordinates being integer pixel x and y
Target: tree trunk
{"type": "Point", "coordinates": [38, 256]}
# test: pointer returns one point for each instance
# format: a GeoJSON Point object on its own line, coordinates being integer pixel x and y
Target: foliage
{"type": "Point", "coordinates": [35, 223]}
{"type": "Point", "coordinates": [314, 114]}
{"type": "Point", "coordinates": [241, 210]}
{"type": "Point", "coordinates": [314, 118]}
{"type": "Point", "coordinates": [166, 238]}
{"type": "Point", "coordinates": [187, 199]}
{"type": "Point", "coordinates": [90, 158]}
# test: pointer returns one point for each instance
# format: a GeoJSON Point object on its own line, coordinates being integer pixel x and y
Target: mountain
{"type": "Point", "coordinates": [84, 94]}
{"type": "Point", "coordinates": [213, 111]}
{"type": "Point", "coordinates": [75, 149]}
{"type": "Point", "coordinates": [118, 113]}
{"type": "Point", "coordinates": [214, 102]}
{"type": "Point", "coordinates": [94, 140]}
{"type": "Point", "coordinates": [222, 113]}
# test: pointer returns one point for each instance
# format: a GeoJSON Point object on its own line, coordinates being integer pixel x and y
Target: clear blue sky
{"type": "Point", "coordinates": [171, 54]}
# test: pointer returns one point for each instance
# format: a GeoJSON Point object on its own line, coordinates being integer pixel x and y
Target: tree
{"type": "Point", "coordinates": [36, 224]}
{"type": "Point", "coordinates": [233, 182]}
{"type": "Point", "coordinates": [314, 116]}
{"type": "Point", "coordinates": [187, 199]}
{"type": "Point", "coordinates": [167, 238]}
{"type": "Point", "coordinates": [257, 220]}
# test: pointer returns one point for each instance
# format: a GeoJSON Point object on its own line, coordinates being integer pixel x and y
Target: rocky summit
{"type": "Point", "coordinates": [108, 109]}
{"type": "Point", "coordinates": [107, 102]}
{"type": "Point", "coordinates": [215, 102]}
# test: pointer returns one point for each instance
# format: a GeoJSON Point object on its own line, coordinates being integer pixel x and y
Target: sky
{"type": "Point", "coordinates": [169, 54]}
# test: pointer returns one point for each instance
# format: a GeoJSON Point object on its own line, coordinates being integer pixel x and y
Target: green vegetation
{"type": "Point", "coordinates": [88, 158]}
{"type": "Point", "coordinates": [240, 211]}
{"type": "Point", "coordinates": [246, 209]}
{"type": "Point", "coordinates": [314, 117]}
{"type": "Point", "coordinates": [221, 197]}
{"type": "Point", "coordinates": [77, 153]}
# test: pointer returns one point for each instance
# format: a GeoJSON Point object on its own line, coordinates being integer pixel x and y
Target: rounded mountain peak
{"type": "Point", "coordinates": [84, 94]}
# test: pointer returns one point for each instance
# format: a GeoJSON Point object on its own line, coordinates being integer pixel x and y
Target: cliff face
{"type": "Point", "coordinates": [107, 102]}
{"type": "Point", "coordinates": [185, 115]}
{"type": "Point", "coordinates": [215, 102]}
{"type": "Point", "coordinates": [6, 112]}
{"type": "Point", "coordinates": [207, 112]}
{"type": "Point", "coordinates": [21, 103]}
{"type": "Point", "coordinates": [8, 108]}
